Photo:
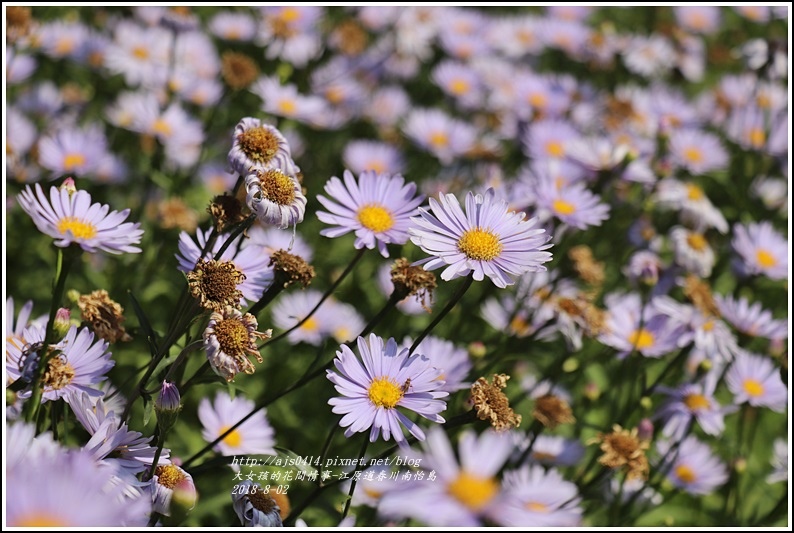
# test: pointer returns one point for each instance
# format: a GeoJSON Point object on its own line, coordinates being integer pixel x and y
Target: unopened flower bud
{"type": "Point", "coordinates": [63, 321]}
{"type": "Point", "coordinates": [646, 403]}
{"type": "Point", "coordinates": [69, 186]}
{"type": "Point", "coordinates": [645, 429]}
{"type": "Point", "coordinates": [591, 391]}
{"type": "Point", "coordinates": [167, 405]}
{"type": "Point", "coordinates": [477, 349]}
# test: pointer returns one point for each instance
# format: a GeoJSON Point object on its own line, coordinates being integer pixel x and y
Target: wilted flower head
{"type": "Point", "coordinates": [254, 506]}
{"type": "Point", "coordinates": [214, 284]}
{"type": "Point", "coordinates": [623, 449]}
{"type": "Point", "coordinates": [230, 338]}
{"type": "Point", "coordinates": [492, 404]}
{"type": "Point", "coordinates": [104, 315]}
{"type": "Point", "coordinates": [275, 197]}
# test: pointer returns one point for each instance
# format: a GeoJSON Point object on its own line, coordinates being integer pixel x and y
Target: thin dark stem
{"type": "Point", "coordinates": [325, 296]}
{"type": "Point", "coordinates": [353, 481]}
{"type": "Point", "coordinates": [444, 312]}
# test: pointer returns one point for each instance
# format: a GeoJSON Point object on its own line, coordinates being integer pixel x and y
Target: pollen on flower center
{"type": "Point", "coordinates": [277, 186]}
{"type": "Point", "coordinates": [162, 127]}
{"type": "Point", "coordinates": [563, 208]}
{"type": "Point", "coordinates": [537, 100]}
{"type": "Point", "coordinates": [141, 53]}
{"type": "Point", "coordinates": [259, 144]}
{"type": "Point", "coordinates": [641, 339]}
{"type": "Point", "coordinates": [695, 402]}
{"type": "Point", "coordinates": [59, 373]}
{"type": "Point", "coordinates": [459, 87]}
{"type": "Point", "coordinates": [80, 229]}
{"type": "Point", "coordinates": [287, 107]}
{"type": "Point", "coordinates": [753, 387]}
{"type": "Point", "coordinates": [693, 155]}
{"type": "Point", "coordinates": [757, 137]}
{"type": "Point", "coordinates": [765, 259]}
{"type": "Point", "coordinates": [555, 149]}
{"type": "Point", "coordinates": [39, 519]}
{"type": "Point", "coordinates": [383, 392]}
{"type": "Point", "coordinates": [310, 324]}
{"type": "Point", "coordinates": [479, 244]}
{"type": "Point", "coordinates": [233, 439]}
{"type": "Point", "coordinates": [169, 476]}
{"type": "Point", "coordinates": [439, 139]}
{"type": "Point", "coordinates": [696, 241]}
{"type": "Point", "coordinates": [685, 474]}
{"type": "Point", "coordinates": [473, 491]}
{"type": "Point", "coordinates": [232, 335]}
{"type": "Point", "coordinates": [694, 192]}
{"type": "Point", "coordinates": [537, 507]}
{"type": "Point", "coordinates": [72, 161]}
{"type": "Point", "coordinates": [375, 217]}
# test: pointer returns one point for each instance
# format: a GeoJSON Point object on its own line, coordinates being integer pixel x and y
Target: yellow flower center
{"type": "Point", "coordinates": [685, 474]}
{"type": "Point", "coordinates": [289, 14]}
{"type": "Point", "coordinates": [753, 387]}
{"type": "Point", "coordinates": [459, 87]}
{"type": "Point", "coordinates": [479, 244]}
{"type": "Point", "coordinates": [40, 519]}
{"type": "Point", "coordinates": [232, 336]}
{"type": "Point", "coordinates": [537, 100]}
{"type": "Point", "coordinates": [376, 165]}
{"type": "Point", "coordinates": [519, 326]}
{"type": "Point", "coordinates": [141, 53]}
{"type": "Point", "coordinates": [543, 456]}
{"type": "Point", "coordinates": [310, 325]}
{"type": "Point", "coordinates": [258, 143]}
{"type": "Point", "coordinates": [555, 149]}
{"type": "Point", "coordinates": [641, 339]}
{"type": "Point", "coordinates": [233, 439]}
{"type": "Point", "coordinates": [375, 217]}
{"type": "Point", "coordinates": [695, 402]}
{"type": "Point", "coordinates": [72, 161]}
{"type": "Point", "coordinates": [162, 127]}
{"type": "Point", "coordinates": [277, 186]}
{"type": "Point", "coordinates": [64, 46]}
{"type": "Point", "coordinates": [59, 373]}
{"type": "Point", "coordinates": [765, 259]}
{"type": "Point", "coordinates": [79, 228]}
{"type": "Point", "coordinates": [342, 334]}
{"type": "Point", "coordinates": [561, 207]}
{"type": "Point", "coordinates": [694, 192]}
{"type": "Point", "coordinates": [473, 491]}
{"type": "Point", "coordinates": [537, 507]}
{"type": "Point", "coordinates": [334, 95]}
{"type": "Point", "coordinates": [439, 139]}
{"type": "Point", "coordinates": [169, 476]}
{"type": "Point", "coordinates": [372, 493]}
{"type": "Point", "coordinates": [708, 326]}
{"type": "Point", "coordinates": [287, 107]}
{"type": "Point", "coordinates": [757, 137]}
{"type": "Point", "coordinates": [697, 242]}
{"type": "Point", "coordinates": [693, 155]}
{"type": "Point", "coordinates": [384, 392]}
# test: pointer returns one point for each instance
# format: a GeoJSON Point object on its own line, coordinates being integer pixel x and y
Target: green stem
{"type": "Point", "coordinates": [325, 296]}
{"type": "Point", "coordinates": [65, 261]}
{"type": "Point", "coordinates": [444, 312]}
{"type": "Point", "coordinates": [358, 469]}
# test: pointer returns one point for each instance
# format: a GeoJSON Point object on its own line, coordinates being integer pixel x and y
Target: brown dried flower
{"type": "Point", "coordinates": [214, 284]}
{"type": "Point", "coordinates": [238, 70]}
{"type": "Point", "coordinates": [413, 280]}
{"type": "Point", "coordinates": [492, 404]}
{"type": "Point", "coordinates": [551, 411]}
{"type": "Point", "coordinates": [104, 315]}
{"type": "Point", "coordinates": [291, 268]}
{"type": "Point", "coordinates": [227, 211]}
{"type": "Point", "coordinates": [624, 449]}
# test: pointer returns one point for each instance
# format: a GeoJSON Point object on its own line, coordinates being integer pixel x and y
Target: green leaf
{"type": "Point", "coordinates": [151, 336]}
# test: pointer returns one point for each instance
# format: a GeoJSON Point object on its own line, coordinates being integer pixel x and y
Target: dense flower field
{"type": "Point", "coordinates": [403, 266]}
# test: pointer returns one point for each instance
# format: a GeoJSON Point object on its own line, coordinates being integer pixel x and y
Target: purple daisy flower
{"type": "Point", "coordinates": [385, 378]}
{"type": "Point", "coordinates": [535, 497]}
{"type": "Point", "coordinates": [453, 362]}
{"type": "Point", "coordinates": [547, 139]}
{"type": "Point", "coordinates": [382, 158]}
{"type": "Point", "coordinates": [692, 402]}
{"type": "Point", "coordinates": [573, 204]}
{"type": "Point", "coordinates": [232, 26]}
{"type": "Point", "coordinates": [762, 249]}
{"type": "Point", "coordinates": [552, 450]}
{"type": "Point", "coordinates": [292, 307]}
{"type": "Point", "coordinates": [463, 493]}
{"type": "Point", "coordinates": [630, 326]}
{"type": "Point", "coordinates": [79, 364]}
{"type": "Point", "coordinates": [258, 146]}
{"type": "Point", "coordinates": [438, 133]}
{"type": "Point", "coordinates": [275, 196]}
{"type": "Point", "coordinates": [697, 151]}
{"type": "Point", "coordinates": [699, 19]}
{"type": "Point", "coordinates": [72, 218]}
{"type": "Point", "coordinates": [254, 436]}
{"type": "Point", "coordinates": [693, 467]}
{"type": "Point", "coordinates": [753, 319]}
{"type": "Point", "coordinates": [378, 207]}
{"type": "Point", "coordinates": [754, 379]}
{"type": "Point", "coordinates": [488, 240]}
